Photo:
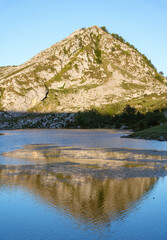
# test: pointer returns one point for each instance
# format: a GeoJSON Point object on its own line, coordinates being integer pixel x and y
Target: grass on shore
{"type": "Point", "coordinates": [155, 132]}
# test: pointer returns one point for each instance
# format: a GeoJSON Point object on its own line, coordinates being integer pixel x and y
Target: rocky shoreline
{"type": "Point", "coordinates": [12, 121]}
{"type": "Point", "coordinates": [138, 136]}
{"type": "Point", "coordinates": [27, 120]}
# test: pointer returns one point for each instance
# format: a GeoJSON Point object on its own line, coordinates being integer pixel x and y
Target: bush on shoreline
{"type": "Point", "coordinates": [129, 118]}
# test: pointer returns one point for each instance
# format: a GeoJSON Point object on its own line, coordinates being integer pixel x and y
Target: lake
{"type": "Point", "coordinates": [81, 184]}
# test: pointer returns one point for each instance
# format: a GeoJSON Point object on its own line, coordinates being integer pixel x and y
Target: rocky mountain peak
{"type": "Point", "coordinates": [91, 67]}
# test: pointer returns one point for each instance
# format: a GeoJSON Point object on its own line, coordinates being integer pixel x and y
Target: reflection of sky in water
{"type": "Point", "coordinates": [82, 138]}
{"type": "Point", "coordinates": [38, 214]}
{"type": "Point", "coordinates": [43, 206]}
{"type": "Point", "coordinates": [79, 208]}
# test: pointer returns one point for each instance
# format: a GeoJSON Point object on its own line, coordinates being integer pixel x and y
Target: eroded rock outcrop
{"type": "Point", "coordinates": [90, 67]}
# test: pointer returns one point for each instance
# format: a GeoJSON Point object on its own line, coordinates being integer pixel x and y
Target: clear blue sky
{"type": "Point", "coordinates": [29, 26]}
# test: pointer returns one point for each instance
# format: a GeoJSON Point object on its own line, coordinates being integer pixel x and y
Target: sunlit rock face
{"type": "Point", "coordinates": [89, 67]}
{"type": "Point", "coordinates": [87, 199]}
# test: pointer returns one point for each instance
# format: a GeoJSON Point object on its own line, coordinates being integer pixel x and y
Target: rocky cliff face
{"type": "Point", "coordinates": [89, 68]}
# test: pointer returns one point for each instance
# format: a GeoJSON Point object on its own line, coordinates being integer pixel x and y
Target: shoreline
{"type": "Point", "coordinates": [146, 137]}
{"type": "Point", "coordinates": [134, 135]}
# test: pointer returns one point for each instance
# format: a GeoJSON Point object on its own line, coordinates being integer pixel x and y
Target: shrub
{"type": "Point", "coordinates": [154, 118]}
{"type": "Point", "coordinates": [104, 29]}
{"type": "Point", "coordinates": [98, 55]}
{"type": "Point", "coordinates": [159, 77]}
{"type": "Point", "coordinates": [89, 119]}
{"type": "Point", "coordinates": [129, 110]}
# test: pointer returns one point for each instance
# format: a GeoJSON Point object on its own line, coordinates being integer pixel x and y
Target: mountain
{"type": "Point", "coordinates": [91, 67]}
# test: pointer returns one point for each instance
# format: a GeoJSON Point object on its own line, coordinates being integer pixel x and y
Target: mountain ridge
{"type": "Point", "coordinates": [89, 68]}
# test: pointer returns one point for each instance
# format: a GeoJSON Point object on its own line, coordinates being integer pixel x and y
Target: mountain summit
{"type": "Point", "coordinates": [91, 67]}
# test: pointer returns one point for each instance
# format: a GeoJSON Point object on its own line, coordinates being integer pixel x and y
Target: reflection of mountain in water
{"type": "Point", "coordinates": [86, 199]}
{"type": "Point", "coordinates": [52, 153]}
{"type": "Point", "coordinates": [104, 162]}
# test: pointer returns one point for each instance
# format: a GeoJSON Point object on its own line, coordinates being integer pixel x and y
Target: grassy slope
{"type": "Point", "coordinates": [153, 132]}
{"type": "Point", "coordinates": [148, 103]}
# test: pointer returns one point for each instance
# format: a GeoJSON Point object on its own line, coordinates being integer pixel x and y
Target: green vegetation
{"type": "Point", "coordinates": [66, 90]}
{"type": "Point", "coordinates": [98, 55]}
{"type": "Point", "coordinates": [69, 90]}
{"type": "Point", "coordinates": [158, 133]}
{"type": "Point", "coordinates": [52, 58]}
{"type": "Point", "coordinates": [19, 70]}
{"type": "Point", "coordinates": [158, 76]}
{"type": "Point", "coordinates": [128, 86]}
{"type": "Point", "coordinates": [45, 67]}
{"type": "Point", "coordinates": [149, 103]}
{"type": "Point", "coordinates": [111, 109]}
{"type": "Point", "coordinates": [94, 73]}
{"type": "Point", "coordinates": [125, 53]}
{"type": "Point", "coordinates": [76, 67]}
{"type": "Point", "coordinates": [1, 92]}
{"type": "Point", "coordinates": [97, 51]}
{"type": "Point", "coordinates": [80, 43]}
{"type": "Point", "coordinates": [65, 51]}
{"type": "Point", "coordinates": [122, 40]}
{"type": "Point", "coordinates": [148, 62]}
{"type": "Point", "coordinates": [62, 73]}
{"type": "Point", "coordinates": [1, 95]}
{"type": "Point", "coordinates": [48, 105]}
{"type": "Point", "coordinates": [124, 72]}
{"type": "Point", "coordinates": [90, 119]}
{"type": "Point", "coordinates": [104, 29]}
{"type": "Point", "coordinates": [129, 117]}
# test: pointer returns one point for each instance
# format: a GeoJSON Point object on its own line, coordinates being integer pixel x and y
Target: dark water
{"type": "Point", "coordinates": [47, 205]}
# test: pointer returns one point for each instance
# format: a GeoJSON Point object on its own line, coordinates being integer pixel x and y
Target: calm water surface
{"type": "Point", "coordinates": [46, 206]}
